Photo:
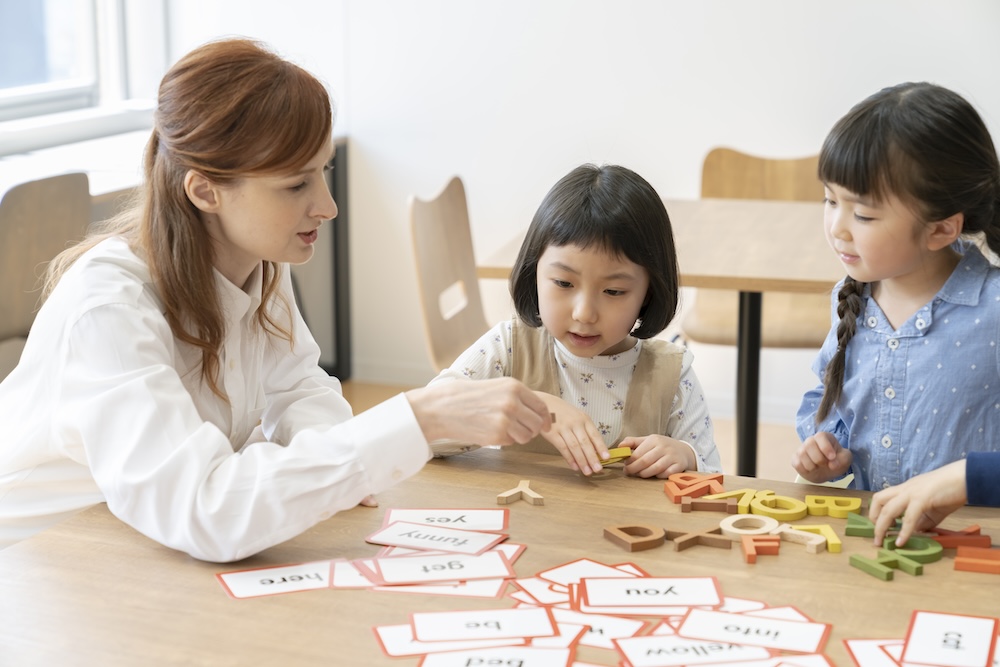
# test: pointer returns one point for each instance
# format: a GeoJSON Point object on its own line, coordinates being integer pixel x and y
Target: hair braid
{"type": "Point", "coordinates": [849, 305]}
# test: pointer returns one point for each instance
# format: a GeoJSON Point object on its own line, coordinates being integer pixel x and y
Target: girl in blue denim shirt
{"type": "Point", "coordinates": [910, 371]}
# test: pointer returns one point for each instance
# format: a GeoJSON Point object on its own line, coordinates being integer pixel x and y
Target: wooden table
{"type": "Point", "coordinates": [745, 245]}
{"type": "Point", "coordinates": [92, 591]}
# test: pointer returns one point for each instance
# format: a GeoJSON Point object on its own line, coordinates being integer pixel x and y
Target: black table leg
{"type": "Point", "coordinates": [747, 383]}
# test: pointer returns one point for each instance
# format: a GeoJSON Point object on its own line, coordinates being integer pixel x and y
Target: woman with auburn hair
{"type": "Point", "coordinates": [169, 372]}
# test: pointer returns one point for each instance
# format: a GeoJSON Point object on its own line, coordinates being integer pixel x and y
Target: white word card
{"type": "Point", "coordinates": [669, 650]}
{"type": "Point", "coordinates": [954, 640]}
{"type": "Point", "coordinates": [810, 660]}
{"type": "Point", "coordinates": [525, 622]}
{"type": "Point", "coordinates": [872, 652]}
{"type": "Point", "coordinates": [494, 520]}
{"type": "Point", "coordinates": [573, 572]}
{"type": "Point", "coordinates": [651, 592]}
{"type": "Point", "coordinates": [769, 632]}
{"type": "Point", "coordinates": [601, 629]}
{"type": "Point", "coordinates": [478, 588]}
{"type": "Point", "coordinates": [397, 641]}
{"type": "Point", "coordinates": [515, 656]}
{"type": "Point", "coordinates": [275, 580]}
{"type": "Point", "coordinates": [447, 567]}
{"type": "Point", "coordinates": [422, 536]}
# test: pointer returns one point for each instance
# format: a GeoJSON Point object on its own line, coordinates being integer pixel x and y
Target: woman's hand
{"type": "Point", "coordinates": [821, 458]}
{"type": "Point", "coordinates": [501, 411]}
{"type": "Point", "coordinates": [658, 456]}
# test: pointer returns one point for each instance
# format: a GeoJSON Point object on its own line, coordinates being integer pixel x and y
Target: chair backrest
{"type": "Point", "coordinates": [38, 220]}
{"type": "Point", "coordinates": [730, 174]}
{"type": "Point", "coordinates": [446, 274]}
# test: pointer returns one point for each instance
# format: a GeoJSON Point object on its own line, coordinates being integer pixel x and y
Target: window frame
{"type": "Point", "coordinates": [130, 38]}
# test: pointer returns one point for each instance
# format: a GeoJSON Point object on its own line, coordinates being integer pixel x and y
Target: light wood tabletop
{"type": "Point", "coordinates": [749, 246]}
{"type": "Point", "coordinates": [92, 591]}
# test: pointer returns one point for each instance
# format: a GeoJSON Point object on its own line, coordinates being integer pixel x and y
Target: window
{"type": "Point", "coordinates": [47, 57]}
{"type": "Point", "coordinates": [77, 69]}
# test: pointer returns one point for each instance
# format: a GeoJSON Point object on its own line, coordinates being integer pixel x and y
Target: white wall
{"type": "Point", "coordinates": [511, 95]}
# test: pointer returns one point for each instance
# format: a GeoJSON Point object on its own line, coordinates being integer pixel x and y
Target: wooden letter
{"type": "Point", "coordinates": [782, 508]}
{"type": "Point", "coordinates": [745, 497]}
{"type": "Point", "coordinates": [833, 542]}
{"type": "Point", "coordinates": [764, 545]}
{"type": "Point", "coordinates": [735, 527]}
{"type": "Point", "coordinates": [635, 537]}
{"type": "Point", "coordinates": [835, 506]}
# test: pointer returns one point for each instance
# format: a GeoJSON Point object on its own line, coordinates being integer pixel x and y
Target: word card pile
{"type": "Point", "coordinates": [585, 603]}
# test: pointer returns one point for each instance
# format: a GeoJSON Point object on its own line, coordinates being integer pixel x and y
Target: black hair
{"type": "Point", "coordinates": [927, 146]}
{"type": "Point", "coordinates": [615, 210]}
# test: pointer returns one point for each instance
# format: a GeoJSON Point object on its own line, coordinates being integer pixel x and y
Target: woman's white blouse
{"type": "Point", "coordinates": [106, 405]}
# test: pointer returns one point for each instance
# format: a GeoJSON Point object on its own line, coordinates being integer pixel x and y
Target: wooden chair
{"type": "Point", "coordinates": [787, 320]}
{"type": "Point", "coordinates": [446, 274]}
{"type": "Point", "coordinates": [38, 220]}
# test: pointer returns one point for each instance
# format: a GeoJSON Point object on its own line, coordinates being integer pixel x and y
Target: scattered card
{"type": "Point", "coordinates": [767, 632]}
{"type": "Point", "coordinates": [275, 580]}
{"type": "Point", "coordinates": [490, 520]}
{"type": "Point", "coordinates": [952, 640]}
{"type": "Point", "coordinates": [422, 536]}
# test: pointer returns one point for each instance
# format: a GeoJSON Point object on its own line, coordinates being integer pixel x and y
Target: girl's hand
{"type": "Point", "coordinates": [658, 456]}
{"type": "Point", "coordinates": [576, 437]}
{"type": "Point", "coordinates": [821, 458]}
{"type": "Point", "coordinates": [501, 411]}
{"type": "Point", "coordinates": [923, 502]}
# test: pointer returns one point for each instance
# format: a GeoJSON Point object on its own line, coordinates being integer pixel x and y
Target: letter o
{"type": "Point", "coordinates": [735, 526]}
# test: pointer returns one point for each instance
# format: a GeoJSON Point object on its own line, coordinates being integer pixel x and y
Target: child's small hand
{"type": "Point", "coordinates": [658, 455]}
{"type": "Point", "coordinates": [923, 502]}
{"type": "Point", "coordinates": [821, 458]}
{"type": "Point", "coordinates": [576, 437]}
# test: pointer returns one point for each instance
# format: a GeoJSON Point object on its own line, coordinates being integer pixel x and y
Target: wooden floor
{"type": "Point", "coordinates": [775, 443]}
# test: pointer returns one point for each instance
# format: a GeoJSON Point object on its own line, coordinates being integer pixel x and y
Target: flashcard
{"type": "Point", "coordinates": [664, 628]}
{"type": "Point", "coordinates": [400, 552]}
{"type": "Point", "coordinates": [274, 580]}
{"type": "Point", "coordinates": [631, 568]}
{"type": "Point", "coordinates": [650, 592]}
{"type": "Point", "coordinates": [784, 613]}
{"type": "Point", "coordinates": [574, 571]}
{"type": "Point", "coordinates": [811, 660]}
{"type": "Point", "coordinates": [479, 588]}
{"type": "Point", "coordinates": [524, 599]}
{"type": "Point", "coordinates": [343, 574]}
{"type": "Point", "coordinates": [667, 650]}
{"type": "Point", "coordinates": [525, 622]}
{"type": "Point", "coordinates": [490, 520]}
{"type": "Point", "coordinates": [568, 634]}
{"type": "Point", "coordinates": [452, 540]}
{"type": "Point", "coordinates": [443, 568]}
{"type": "Point", "coordinates": [543, 592]}
{"type": "Point", "coordinates": [954, 640]}
{"type": "Point", "coordinates": [771, 633]}
{"type": "Point", "coordinates": [510, 550]}
{"type": "Point", "coordinates": [397, 642]}
{"type": "Point", "coordinates": [522, 656]}
{"type": "Point", "coordinates": [602, 629]}
{"type": "Point", "coordinates": [871, 652]}
{"type": "Point", "coordinates": [740, 605]}
{"type": "Point", "coordinates": [575, 602]}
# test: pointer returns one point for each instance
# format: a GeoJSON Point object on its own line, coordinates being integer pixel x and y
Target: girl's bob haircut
{"type": "Point", "coordinates": [615, 210]}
